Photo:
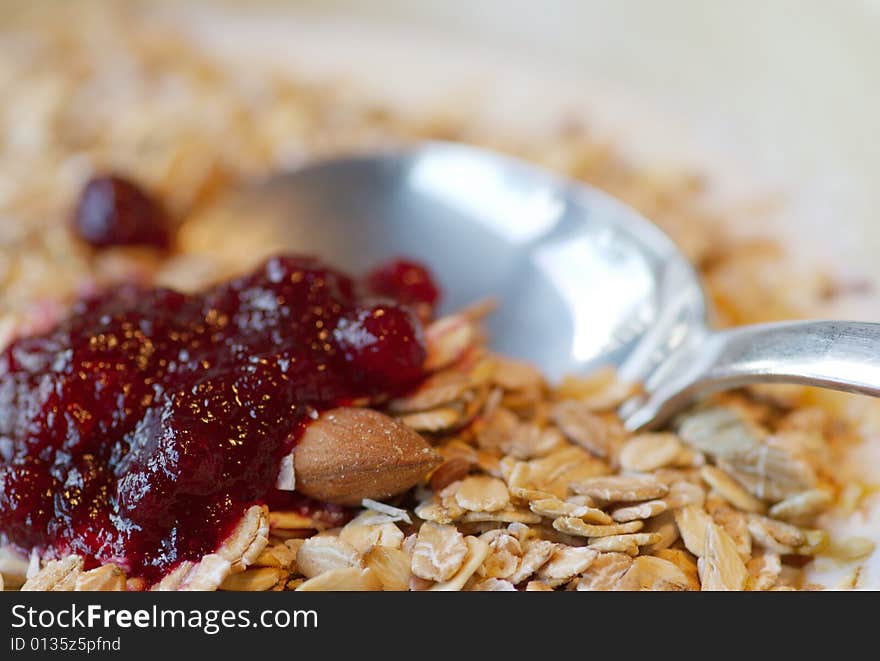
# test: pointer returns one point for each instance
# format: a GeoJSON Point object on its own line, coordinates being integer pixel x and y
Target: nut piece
{"type": "Point", "coordinates": [393, 513]}
{"type": "Point", "coordinates": [720, 566]}
{"type": "Point", "coordinates": [439, 552]}
{"type": "Point", "coordinates": [644, 453]}
{"type": "Point", "coordinates": [324, 553]}
{"type": "Point", "coordinates": [286, 480]}
{"type": "Point", "coordinates": [349, 454]}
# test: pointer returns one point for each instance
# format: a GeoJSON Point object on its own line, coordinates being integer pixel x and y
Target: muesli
{"type": "Point", "coordinates": [499, 480]}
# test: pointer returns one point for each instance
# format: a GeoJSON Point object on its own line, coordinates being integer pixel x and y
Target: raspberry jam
{"type": "Point", "coordinates": [139, 429]}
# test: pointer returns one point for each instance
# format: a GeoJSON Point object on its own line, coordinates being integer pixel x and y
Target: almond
{"type": "Point", "coordinates": [349, 454]}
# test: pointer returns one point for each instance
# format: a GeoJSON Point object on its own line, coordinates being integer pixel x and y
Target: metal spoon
{"type": "Point", "coordinates": [581, 280]}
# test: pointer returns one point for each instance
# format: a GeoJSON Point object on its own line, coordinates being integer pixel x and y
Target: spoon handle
{"type": "Point", "coordinates": [842, 355]}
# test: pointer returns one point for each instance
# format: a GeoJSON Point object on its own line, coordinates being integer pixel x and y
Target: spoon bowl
{"type": "Point", "coordinates": [580, 279]}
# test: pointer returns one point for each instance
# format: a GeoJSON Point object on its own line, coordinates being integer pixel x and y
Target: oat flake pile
{"type": "Point", "coordinates": [540, 487]}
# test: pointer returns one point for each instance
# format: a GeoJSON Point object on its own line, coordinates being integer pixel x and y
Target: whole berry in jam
{"type": "Point", "coordinates": [382, 345]}
{"type": "Point", "coordinates": [114, 211]}
{"type": "Point", "coordinates": [404, 281]}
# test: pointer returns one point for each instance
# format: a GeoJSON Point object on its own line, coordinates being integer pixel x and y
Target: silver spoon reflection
{"type": "Point", "coordinates": [581, 280]}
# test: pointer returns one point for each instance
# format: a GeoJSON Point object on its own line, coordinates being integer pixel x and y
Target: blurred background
{"type": "Point", "coordinates": [795, 83]}
{"type": "Point", "coordinates": [771, 106]}
{"type": "Point", "coordinates": [782, 94]}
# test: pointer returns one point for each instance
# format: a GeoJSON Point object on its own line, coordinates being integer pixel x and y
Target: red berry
{"type": "Point", "coordinates": [404, 281]}
{"type": "Point", "coordinates": [382, 346]}
{"type": "Point", "coordinates": [113, 211]}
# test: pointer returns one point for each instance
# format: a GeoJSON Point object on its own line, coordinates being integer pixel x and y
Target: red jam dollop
{"type": "Point", "coordinates": [139, 429]}
{"type": "Point", "coordinates": [114, 211]}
